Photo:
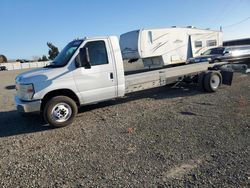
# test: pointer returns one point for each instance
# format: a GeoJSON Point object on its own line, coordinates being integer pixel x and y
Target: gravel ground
{"type": "Point", "coordinates": [165, 137]}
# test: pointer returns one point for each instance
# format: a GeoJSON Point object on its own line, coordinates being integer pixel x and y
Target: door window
{"type": "Point", "coordinates": [97, 53]}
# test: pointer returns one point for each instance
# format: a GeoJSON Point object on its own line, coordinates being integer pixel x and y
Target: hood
{"type": "Point", "coordinates": [42, 74]}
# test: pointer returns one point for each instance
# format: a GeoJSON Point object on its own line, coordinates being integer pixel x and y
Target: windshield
{"type": "Point", "coordinates": [214, 51]}
{"type": "Point", "coordinates": [65, 55]}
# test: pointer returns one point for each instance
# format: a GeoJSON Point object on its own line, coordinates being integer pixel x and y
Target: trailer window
{"type": "Point", "coordinates": [198, 44]}
{"type": "Point", "coordinates": [211, 43]}
{"type": "Point", "coordinates": [150, 37]}
{"type": "Point", "coordinates": [97, 53]}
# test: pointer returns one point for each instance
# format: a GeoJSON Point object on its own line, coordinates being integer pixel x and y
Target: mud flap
{"type": "Point", "coordinates": [227, 77]}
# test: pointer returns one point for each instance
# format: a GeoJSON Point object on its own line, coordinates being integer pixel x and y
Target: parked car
{"type": "Point", "coordinates": [3, 68]}
{"type": "Point", "coordinates": [231, 54]}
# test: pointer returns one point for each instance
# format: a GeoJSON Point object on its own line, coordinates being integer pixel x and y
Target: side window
{"type": "Point", "coordinates": [218, 51]}
{"type": "Point", "coordinates": [150, 37]}
{"type": "Point", "coordinates": [97, 53]}
{"type": "Point", "coordinates": [211, 43]}
{"type": "Point", "coordinates": [198, 44]}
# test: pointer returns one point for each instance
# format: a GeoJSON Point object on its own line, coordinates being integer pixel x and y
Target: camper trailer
{"type": "Point", "coordinates": [167, 46]}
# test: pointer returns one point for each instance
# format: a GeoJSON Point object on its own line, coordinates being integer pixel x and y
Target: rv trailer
{"type": "Point", "coordinates": [167, 46]}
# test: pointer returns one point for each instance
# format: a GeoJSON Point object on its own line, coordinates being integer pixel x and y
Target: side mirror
{"type": "Point", "coordinates": [201, 53]}
{"type": "Point", "coordinates": [226, 52]}
{"type": "Point", "coordinates": [83, 59]}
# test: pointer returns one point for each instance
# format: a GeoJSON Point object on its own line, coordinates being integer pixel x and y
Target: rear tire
{"type": "Point", "coordinates": [60, 111]}
{"type": "Point", "coordinates": [201, 81]}
{"type": "Point", "coordinates": [212, 81]}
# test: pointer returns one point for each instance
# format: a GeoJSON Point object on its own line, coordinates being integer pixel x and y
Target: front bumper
{"type": "Point", "coordinates": [27, 106]}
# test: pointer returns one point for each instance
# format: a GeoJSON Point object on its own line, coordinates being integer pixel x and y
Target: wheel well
{"type": "Point", "coordinates": [60, 92]}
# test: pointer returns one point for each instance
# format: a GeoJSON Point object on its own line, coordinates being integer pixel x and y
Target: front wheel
{"type": "Point", "coordinates": [60, 111]}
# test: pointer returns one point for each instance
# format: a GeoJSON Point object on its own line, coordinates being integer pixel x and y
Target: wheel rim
{"type": "Point", "coordinates": [215, 81]}
{"type": "Point", "coordinates": [61, 112]}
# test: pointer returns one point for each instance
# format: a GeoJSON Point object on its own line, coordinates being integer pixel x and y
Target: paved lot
{"type": "Point", "coordinates": [165, 137]}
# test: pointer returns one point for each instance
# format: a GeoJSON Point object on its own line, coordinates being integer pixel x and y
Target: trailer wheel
{"type": "Point", "coordinates": [212, 81]}
{"type": "Point", "coordinates": [60, 111]}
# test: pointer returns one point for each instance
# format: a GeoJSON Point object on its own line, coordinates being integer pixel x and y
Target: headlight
{"type": "Point", "coordinates": [25, 91]}
{"type": "Point", "coordinates": [209, 59]}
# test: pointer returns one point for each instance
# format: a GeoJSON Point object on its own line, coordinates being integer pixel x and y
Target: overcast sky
{"type": "Point", "coordinates": [27, 25]}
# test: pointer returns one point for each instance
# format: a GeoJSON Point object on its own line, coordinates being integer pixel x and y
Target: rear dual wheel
{"type": "Point", "coordinates": [210, 81]}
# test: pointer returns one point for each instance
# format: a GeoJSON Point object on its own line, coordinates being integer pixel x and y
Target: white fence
{"type": "Point", "coordinates": [30, 65]}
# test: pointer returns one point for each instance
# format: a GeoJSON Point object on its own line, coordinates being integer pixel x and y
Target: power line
{"type": "Point", "coordinates": [223, 11]}
{"type": "Point", "coordinates": [237, 23]}
{"type": "Point", "coordinates": [228, 8]}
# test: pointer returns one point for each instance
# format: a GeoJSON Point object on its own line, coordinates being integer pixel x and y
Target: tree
{"type": "Point", "coordinates": [3, 59]}
{"type": "Point", "coordinates": [44, 58]}
{"type": "Point", "coordinates": [53, 51]}
{"type": "Point", "coordinates": [35, 58]}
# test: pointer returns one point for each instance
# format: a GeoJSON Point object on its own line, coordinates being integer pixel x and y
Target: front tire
{"type": "Point", "coordinates": [60, 111]}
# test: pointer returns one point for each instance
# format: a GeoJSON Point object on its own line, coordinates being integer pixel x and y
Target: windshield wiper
{"type": "Point", "coordinates": [50, 66]}
{"type": "Point", "coordinates": [53, 65]}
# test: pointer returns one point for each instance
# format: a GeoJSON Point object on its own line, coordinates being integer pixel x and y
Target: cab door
{"type": "Point", "coordinates": [98, 82]}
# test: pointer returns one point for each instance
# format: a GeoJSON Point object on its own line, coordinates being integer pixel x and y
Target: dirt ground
{"type": "Point", "coordinates": [165, 137]}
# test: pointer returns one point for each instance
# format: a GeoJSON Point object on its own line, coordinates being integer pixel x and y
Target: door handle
{"type": "Point", "coordinates": [111, 75]}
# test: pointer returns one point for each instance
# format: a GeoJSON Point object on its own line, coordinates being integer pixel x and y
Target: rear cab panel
{"type": "Point", "coordinates": [118, 63]}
